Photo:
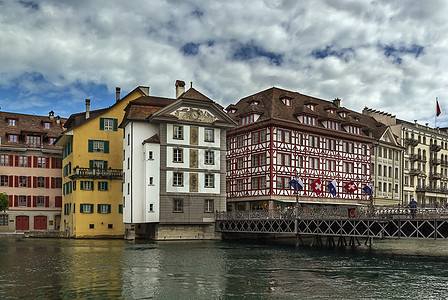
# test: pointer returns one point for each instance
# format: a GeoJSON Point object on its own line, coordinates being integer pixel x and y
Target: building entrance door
{"type": "Point", "coordinates": [40, 223]}
{"type": "Point", "coordinates": [22, 223]}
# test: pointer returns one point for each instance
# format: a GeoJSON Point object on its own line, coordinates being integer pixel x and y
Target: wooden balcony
{"type": "Point", "coordinates": [96, 173]}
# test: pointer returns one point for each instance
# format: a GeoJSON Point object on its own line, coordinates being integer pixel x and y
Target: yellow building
{"type": "Point", "coordinates": [92, 170]}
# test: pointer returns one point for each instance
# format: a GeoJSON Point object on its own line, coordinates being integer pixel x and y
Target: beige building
{"type": "Point", "coordinates": [30, 171]}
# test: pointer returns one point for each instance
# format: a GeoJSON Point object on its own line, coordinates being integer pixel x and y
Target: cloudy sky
{"type": "Point", "coordinates": [387, 55]}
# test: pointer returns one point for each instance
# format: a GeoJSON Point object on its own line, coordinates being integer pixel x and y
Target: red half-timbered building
{"type": "Point", "coordinates": [282, 134]}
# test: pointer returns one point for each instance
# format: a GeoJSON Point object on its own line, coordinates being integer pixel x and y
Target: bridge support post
{"type": "Point", "coordinates": [299, 241]}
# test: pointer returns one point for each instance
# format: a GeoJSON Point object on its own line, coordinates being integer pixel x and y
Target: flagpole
{"type": "Point", "coordinates": [435, 116]}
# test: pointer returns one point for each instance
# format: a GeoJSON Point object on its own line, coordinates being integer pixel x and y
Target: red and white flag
{"type": "Point", "coordinates": [350, 187]}
{"type": "Point", "coordinates": [439, 111]}
{"type": "Point", "coordinates": [316, 185]}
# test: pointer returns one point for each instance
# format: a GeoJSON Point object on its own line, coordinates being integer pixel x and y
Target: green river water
{"type": "Point", "coordinates": [117, 269]}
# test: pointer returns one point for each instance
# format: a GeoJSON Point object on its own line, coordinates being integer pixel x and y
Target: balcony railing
{"type": "Point", "coordinates": [435, 175]}
{"type": "Point", "coordinates": [435, 147]}
{"type": "Point", "coordinates": [96, 173]}
{"type": "Point", "coordinates": [435, 161]}
{"type": "Point", "coordinates": [413, 172]}
{"type": "Point", "coordinates": [411, 142]}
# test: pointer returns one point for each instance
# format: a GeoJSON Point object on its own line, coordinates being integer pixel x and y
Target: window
{"type": "Point", "coordinates": [255, 183]}
{"type": "Point", "coordinates": [348, 167]}
{"type": "Point", "coordinates": [209, 135]}
{"type": "Point", "coordinates": [13, 138]}
{"type": "Point", "coordinates": [22, 201]}
{"type": "Point", "coordinates": [104, 208]}
{"type": "Point", "coordinates": [86, 185]}
{"type": "Point", "coordinates": [177, 155]}
{"type": "Point", "coordinates": [23, 161]}
{"type": "Point", "coordinates": [313, 141]}
{"type": "Point", "coordinates": [330, 144]}
{"type": "Point", "coordinates": [151, 207]}
{"type": "Point", "coordinates": [347, 147]}
{"type": "Point", "coordinates": [108, 124]}
{"type": "Point", "coordinates": [287, 136]}
{"type": "Point", "coordinates": [92, 226]}
{"type": "Point", "coordinates": [51, 140]}
{"type": "Point", "coordinates": [209, 180]}
{"type": "Point", "coordinates": [4, 220]}
{"type": "Point", "coordinates": [309, 120]}
{"type": "Point", "coordinates": [178, 205]}
{"type": "Point", "coordinates": [4, 160]}
{"type": "Point", "coordinates": [33, 141]}
{"type": "Point", "coordinates": [150, 155]}
{"type": "Point", "coordinates": [255, 161]}
{"type": "Point", "coordinates": [41, 162]}
{"type": "Point", "coordinates": [280, 182]}
{"type": "Point", "coordinates": [103, 186]}
{"type": "Point", "coordinates": [314, 163]}
{"type": "Point", "coordinates": [240, 185]}
{"type": "Point", "coordinates": [178, 179]}
{"type": "Point", "coordinates": [40, 182]}
{"type": "Point", "coordinates": [23, 181]}
{"type": "Point", "coordinates": [240, 141]}
{"type": "Point", "coordinates": [178, 132]}
{"type": "Point", "coordinates": [98, 146]}
{"type": "Point", "coordinates": [47, 125]}
{"type": "Point", "coordinates": [262, 136]}
{"type": "Point", "coordinates": [120, 208]}
{"type": "Point", "coordinates": [86, 208]}
{"type": "Point", "coordinates": [12, 122]}
{"type": "Point", "coordinates": [331, 165]}
{"type": "Point", "coordinates": [255, 137]}
{"type": "Point", "coordinates": [240, 163]}
{"type": "Point", "coordinates": [151, 180]}
{"type": "Point", "coordinates": [4, 180]}
{"type": "Point", "coordinates": [364, 169]}
{"type": "Point", "coordinates": [40, 201]}
{"type": "Point", "coordinates": [98, 164]}
{"type": "Point", "coordinates": [208, 205]}
{"type": "Point", "coordinates": [209, 158]}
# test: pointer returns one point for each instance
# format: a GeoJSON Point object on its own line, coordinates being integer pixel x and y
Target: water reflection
{"type": "Point", "coordinates": [39, 268]}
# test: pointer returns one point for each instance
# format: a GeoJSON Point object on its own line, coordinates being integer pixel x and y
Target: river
{"type": "Point", "coordinates": [111, 269]}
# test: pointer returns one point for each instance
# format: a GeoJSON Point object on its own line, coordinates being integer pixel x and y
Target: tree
{"type": "Point", "coordinates": [4, 202]}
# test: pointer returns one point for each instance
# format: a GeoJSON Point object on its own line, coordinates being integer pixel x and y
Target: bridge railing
{"type": "Point", "coordinates": [337, 212]}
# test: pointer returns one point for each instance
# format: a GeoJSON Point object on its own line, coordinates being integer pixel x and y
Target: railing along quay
{"type": "Point", "coordinates": [353, 222]}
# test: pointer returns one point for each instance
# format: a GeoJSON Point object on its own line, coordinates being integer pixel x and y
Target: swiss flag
{"type": "Point", "coordinates": [350, 187]}
{"type": "Point", "coordinates": [316, 185]}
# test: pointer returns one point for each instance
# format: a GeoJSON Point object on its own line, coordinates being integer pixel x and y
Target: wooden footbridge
{"type": "Point", "coordinates": [340, 223]}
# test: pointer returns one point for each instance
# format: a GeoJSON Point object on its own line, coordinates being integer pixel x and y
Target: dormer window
{"type": "Point", "coordinates": [312, 107]}
{"type": "Point", "coordinates": [286, 101]}
{"type": "Point", "coordinates": [343, 114]}
{"type": "Point", "coordinates": [353, 129]}
{"type": "Point", "coordinates": [232, 111]}
{"type": "Point", "coordinates": [247, 119]}
{"type": "Point", "coordinates": [47, 125]}
{"type": "Point", "coordinates": [333, 125]}
{"type": "Point", "coordinates": [13, 138]}
{"type": "Point", "coordinates": [332, 111]}
{"type": "Point", "coordinates": [309, 120]}
{"type": "Point", "coordinates": [12, 122]}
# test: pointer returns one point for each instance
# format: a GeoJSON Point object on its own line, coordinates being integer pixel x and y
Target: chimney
{"type": "Point", "coordinates": [51, 115]}
{"type": "Point", "coordinates": [58, 120]}
{"type": "Point", "coordinates": [87, 108]}
{"type": "Point", "coordinates": [117, 92]}
{"type": "Point", "coordinates": [180, 88]}
{"type": "Point", "coordinates": [337, 102]}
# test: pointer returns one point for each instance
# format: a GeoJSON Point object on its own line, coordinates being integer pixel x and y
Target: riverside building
{"type": "Point", "coordinates": [283, 134]}
{"type": "Point", "coordinates": [174, 165]}
{"type": "Point", "coordinates": [30, 171]}
{"type": "Point", "coordinates": [92, 170]}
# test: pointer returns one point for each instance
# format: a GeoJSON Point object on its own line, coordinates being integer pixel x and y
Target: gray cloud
{"type": "Point", "coordinates": [385, 55]}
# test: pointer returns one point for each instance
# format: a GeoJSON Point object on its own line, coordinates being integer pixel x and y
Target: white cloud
{"type": "Point", "coordinates": [322, 48]}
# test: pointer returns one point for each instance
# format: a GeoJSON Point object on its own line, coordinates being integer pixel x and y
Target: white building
{"type": "Point", "coordinates": [174, 165]}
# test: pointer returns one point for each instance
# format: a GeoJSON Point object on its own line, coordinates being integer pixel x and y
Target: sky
{"type": "Point", "coordinates": [390, 56]}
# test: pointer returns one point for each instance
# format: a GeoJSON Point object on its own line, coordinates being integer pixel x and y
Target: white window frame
{"type": "Point", "coordinates": [209, 181]}
{"type": "Point", "coordinates": [209, 158]}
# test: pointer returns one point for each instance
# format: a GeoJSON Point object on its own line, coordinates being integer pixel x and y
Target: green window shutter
{"type": "Point", "coordinates": [91, 208]}
{"type": "Point", "coordinates": [108, 209]}
{"type": "Point", "coordinates": [120, 208]}
{"type": "Point", "coordinates": [99, 185]}
{"type": "Point", "coordinates": [99, 208]}
{"type": "Point", "coordinates": [92, 185]}
{"type": "Point", "coordinates": [74, 208]}
{"type": "Point", "coordinates": [107, 186]}
{"type": "Point", "coordinates": [81, 185]}
{"type": "Point", "coordinates": [101, 123]}
{"type": "Point", "coordinates": [106, 146]}
{"type": "Point", "coordinates": [91, 164]}
{"type": "Point", "coordinates": [74, 185]}
{"type": "Point", "coordinates": [90, 145]}
{"type": "Point", "coordinates": [81, 208]}
{"type": "Point", "coordinates": [105, 164]}
{"type": "Point", "coordinates": [115, 125]}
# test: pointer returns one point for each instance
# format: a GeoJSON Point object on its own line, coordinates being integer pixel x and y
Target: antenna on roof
{"type": "Point", "coordinates": [191, 84]}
